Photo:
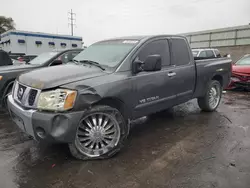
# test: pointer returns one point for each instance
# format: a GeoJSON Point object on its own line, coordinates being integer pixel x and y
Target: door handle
{"type": "Point", "coordinates": [171, 74]}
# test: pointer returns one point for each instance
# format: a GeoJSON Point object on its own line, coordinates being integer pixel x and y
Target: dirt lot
{"type": "Point", "coordinates": [185, 148]}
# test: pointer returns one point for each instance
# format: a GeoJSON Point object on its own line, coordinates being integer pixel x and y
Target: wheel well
{"type": "Point", "coordinates": [218, 78]}
{"type": "Point", "coordinates": [10, 84]}
{"type": "Point", "coordinates": [115, 103]}
{"type": "Point", "coordinates": [7, 86]}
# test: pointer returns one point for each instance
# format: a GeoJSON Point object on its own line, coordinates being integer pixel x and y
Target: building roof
{"type": "Point", "coordinates": [39, 34]}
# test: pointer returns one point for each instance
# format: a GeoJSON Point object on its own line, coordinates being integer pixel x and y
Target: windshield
{"type": "Point", "coordinates": [244, 61]}
{"type": "Point", "coordinates": [195, 53]}
{"type": "Point", "coordinates": [107, 53]}
{"type": "Point", "coordinates": [42, 58]}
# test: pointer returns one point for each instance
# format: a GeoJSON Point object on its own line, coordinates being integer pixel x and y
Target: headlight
{"type": "Point", "coordinates": [57, 100]}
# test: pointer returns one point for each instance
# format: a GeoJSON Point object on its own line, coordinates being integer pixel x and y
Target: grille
{"type": "Point", "coordinates": [32, 97]}
{"type": "Point", "coordinates": [25, 95]}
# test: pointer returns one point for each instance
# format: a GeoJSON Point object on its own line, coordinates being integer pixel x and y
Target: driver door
{"type": "Point", "coordinates": [154, 90]}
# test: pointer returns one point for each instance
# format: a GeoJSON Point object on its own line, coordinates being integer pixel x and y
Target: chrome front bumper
{"type": "Point", "coordinates": [57, 127]}
{"type": "Point", "coordinates": [21, 117]}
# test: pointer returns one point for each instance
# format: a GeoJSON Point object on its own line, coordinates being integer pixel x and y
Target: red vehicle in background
{"type": "Point", "coordinates": [241, 74]}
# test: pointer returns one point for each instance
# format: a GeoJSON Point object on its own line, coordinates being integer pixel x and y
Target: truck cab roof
{"type": "Point", "coordinates": [143, 37]}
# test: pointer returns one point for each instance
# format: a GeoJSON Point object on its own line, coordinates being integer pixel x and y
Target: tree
{"type": "Point", "coordinates": [6, 24]}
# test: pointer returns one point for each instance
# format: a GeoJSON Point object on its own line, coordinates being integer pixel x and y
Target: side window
{"type": "Point", "coordinates": [203, 54]}
{"type": "Point", "coordinates": [180, 52]}
{"type": "Point", "coordinates": [217, 53]}
{"type": "Point", "coordinates": [159, 47]}
{"type": "Point", "coordinates": [210, 54]}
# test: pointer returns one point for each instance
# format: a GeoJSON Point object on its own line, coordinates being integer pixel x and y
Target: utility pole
{"type": "Point", "coordinates": [72, 19]}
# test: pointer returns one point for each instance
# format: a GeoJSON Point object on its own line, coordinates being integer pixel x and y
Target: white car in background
{"type": "Point", "coordinates": [206, 53]}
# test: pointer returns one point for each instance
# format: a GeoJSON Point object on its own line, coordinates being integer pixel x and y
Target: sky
{"type": "Point", "coordinates": [101, 19]}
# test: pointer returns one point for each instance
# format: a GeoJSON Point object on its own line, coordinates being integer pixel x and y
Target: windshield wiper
{"type": "Point", "coordinates": [76, 62]}
{"type": "Point", "coordinates": [91, 63]}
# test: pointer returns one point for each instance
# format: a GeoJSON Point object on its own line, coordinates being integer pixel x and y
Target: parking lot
{"type": "Point", "coordinates": [183, 148]}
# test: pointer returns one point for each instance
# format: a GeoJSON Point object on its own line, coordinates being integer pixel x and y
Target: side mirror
{"type": "Point", "coordinates": [56, 62]}
{"type": "Point", "coordinates": [152, 63]}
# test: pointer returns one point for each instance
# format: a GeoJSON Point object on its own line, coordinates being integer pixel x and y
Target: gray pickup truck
{"type": "Point", "coordinates": [90, 102]}
{"type": "Point", "coordinates": [8, 74]}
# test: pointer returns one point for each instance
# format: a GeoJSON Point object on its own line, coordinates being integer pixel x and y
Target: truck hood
{"type": "Point", "coordinates": [241, 69]}
{"type": "Point", "coordinates": [16, 67]}
{"type": "Point", "coordinates": [55, 76]}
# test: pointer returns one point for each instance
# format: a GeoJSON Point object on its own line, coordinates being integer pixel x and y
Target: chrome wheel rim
{"type": "Point", "coordinates": [97, 134]}
{"type": "Point", "coordinates": [214, 96]}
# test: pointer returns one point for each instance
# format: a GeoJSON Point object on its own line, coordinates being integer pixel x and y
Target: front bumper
{"type": "Point", "coordinates": [44, 126]}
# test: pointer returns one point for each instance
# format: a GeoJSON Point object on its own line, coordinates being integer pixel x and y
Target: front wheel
{"type": "Point", "coordinates": [100, 134]}
{"type": "Point", "coordinates": [211, 100]}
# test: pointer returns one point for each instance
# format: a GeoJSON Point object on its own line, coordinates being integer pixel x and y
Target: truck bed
{"type": "Point", "coordinates": [206, 70]}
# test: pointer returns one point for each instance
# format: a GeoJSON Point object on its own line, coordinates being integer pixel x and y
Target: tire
{"type": "Point", "coordinates": [204, 102]}
{"type": "Point", "coordinates": [82, 152]}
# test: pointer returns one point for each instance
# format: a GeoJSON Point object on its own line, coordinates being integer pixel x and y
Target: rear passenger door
{"type": "Point", "coordinates": [154, 90]}
{"type": "Point", "coordinates": [185, 72]}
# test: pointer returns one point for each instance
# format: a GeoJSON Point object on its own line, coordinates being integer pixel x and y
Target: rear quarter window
{"type": "Point", "coordinates": [180, 52]}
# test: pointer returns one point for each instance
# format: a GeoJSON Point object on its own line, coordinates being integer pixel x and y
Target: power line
{"type": "Point", "coordinates": [72, 19]}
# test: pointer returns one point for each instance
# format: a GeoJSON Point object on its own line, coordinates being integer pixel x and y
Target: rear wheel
{"type": "Point", "coordinates": [101, 133]}
{"type": "Point", "coordinates": [212, 98]}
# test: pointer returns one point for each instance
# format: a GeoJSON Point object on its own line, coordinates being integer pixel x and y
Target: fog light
{"type": "Point", "coordinates": [40, 132]}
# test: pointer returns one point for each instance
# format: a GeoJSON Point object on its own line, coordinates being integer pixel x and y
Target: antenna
{"type": "Point", "coordinates": [72, 19]}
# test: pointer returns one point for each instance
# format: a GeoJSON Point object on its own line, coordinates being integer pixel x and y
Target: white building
{"type": "Point", "coordinates": [33, 43]}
